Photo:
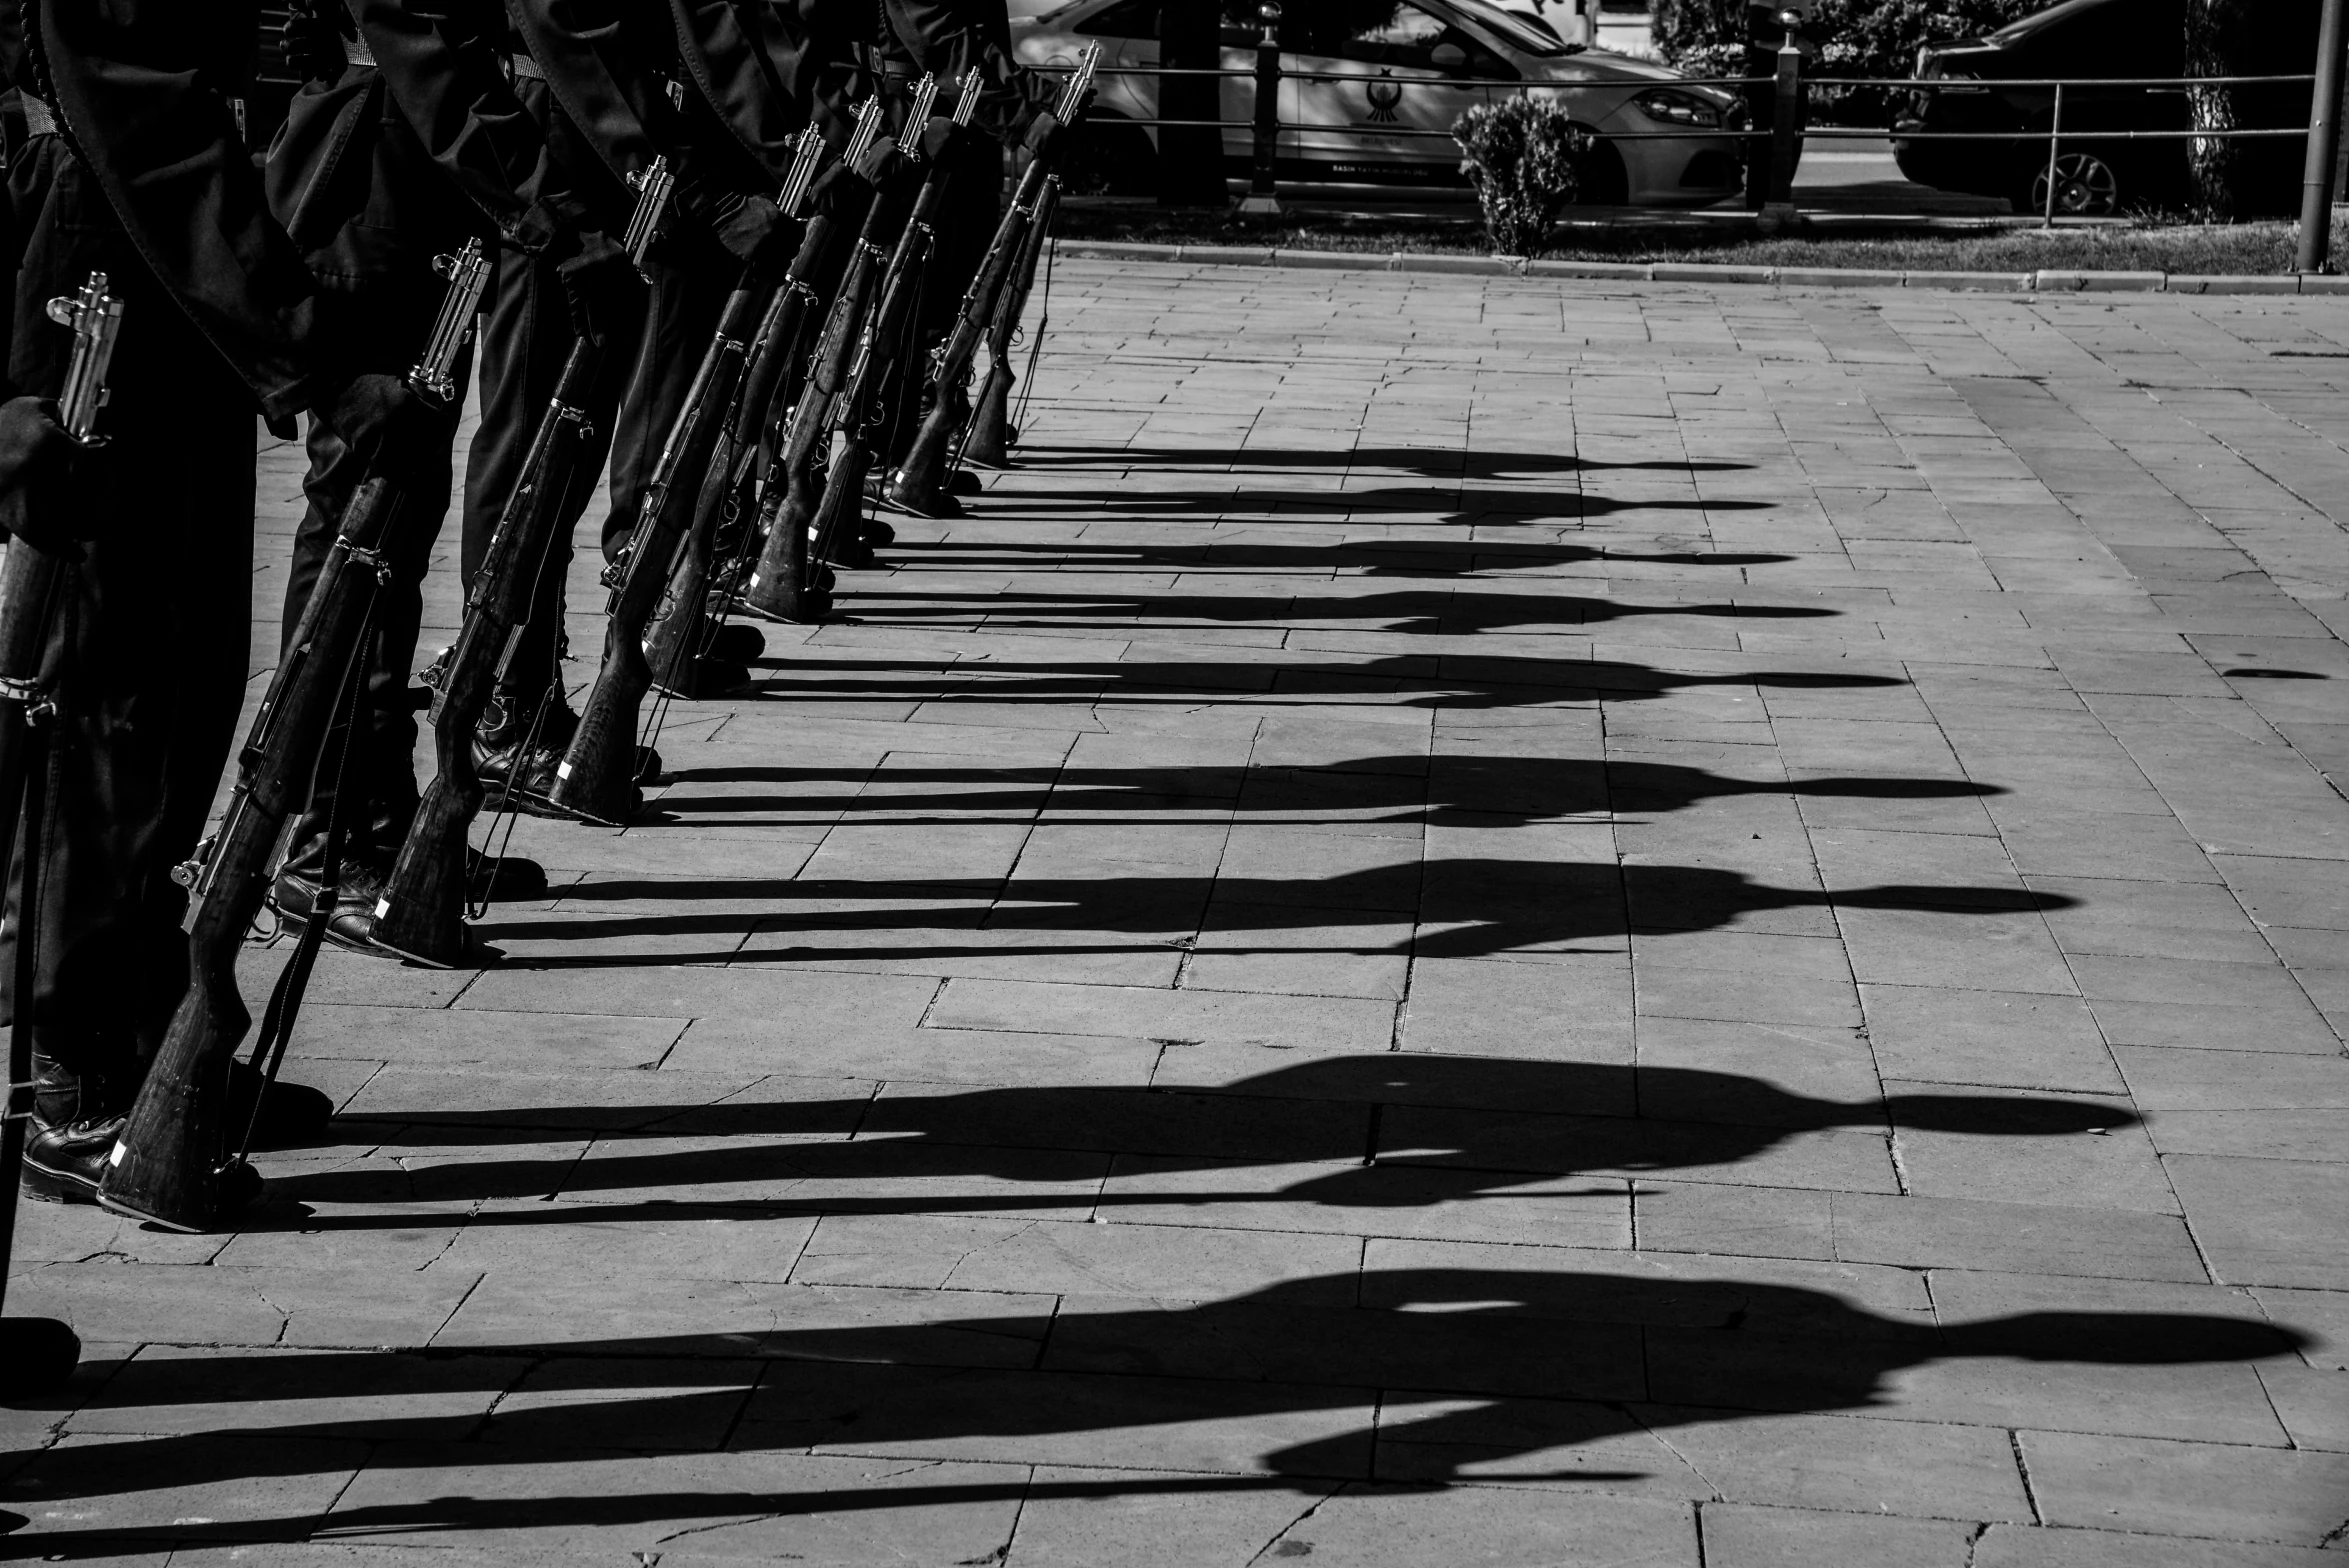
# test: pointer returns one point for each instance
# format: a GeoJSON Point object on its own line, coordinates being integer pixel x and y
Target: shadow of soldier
{"type": "Point", "coordinates": [1438, 609]}
{"type": "Point", "coordinates": [1449, 907]}
{"type": "Point", "coordinates": [1251, 552]}
{"type": "Point", "coordinates": [1436, 1375]}
{"type": "Point", "coordinates": [1471, 790]}
{"type": "Point", "coordinates": [1451, 680]}
{"type": "Point", "coordinates": [1383, 1132]}
{"type": "Point", "coordinates": [1427, 462]}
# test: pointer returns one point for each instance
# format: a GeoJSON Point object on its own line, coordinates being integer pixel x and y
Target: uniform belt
{"type": "Point", "coordinates": [39, 118]}
{"type": "Point", "coordinates": [356, 52]}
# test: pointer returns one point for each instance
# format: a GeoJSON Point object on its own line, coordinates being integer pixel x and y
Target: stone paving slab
{"type": "Point", "coordinates": [1490, 919]}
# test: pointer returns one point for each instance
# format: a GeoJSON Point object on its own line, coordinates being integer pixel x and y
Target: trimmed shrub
{"type": "Point", "coordinates": [1524, 157]}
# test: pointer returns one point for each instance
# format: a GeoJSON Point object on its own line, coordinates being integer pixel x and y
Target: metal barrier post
{"type": "Point", "coordinates": [2055, 131]}
{"type": "Point", "coordinates": [1261, 201]}
{"type": "Point", "coordinates": [1785, 126]}
{"type": "Point", "coordinates": [2324, 137]}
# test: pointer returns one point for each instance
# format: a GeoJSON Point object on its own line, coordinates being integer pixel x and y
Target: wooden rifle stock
{"type": "Point", "coordinates": [421, 914]}
{"type": "Point", "coordinates": [988, 441]}
{"type": "Point", "coordinates": [775, 585]}
{"type": "Point", "coordinates": [596, 780]}
{"type": "Point", "coordinates": [169, 1163]}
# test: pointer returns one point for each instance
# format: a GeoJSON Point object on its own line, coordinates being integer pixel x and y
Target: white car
{"type": "Point", "coordinates": [1355, 87]}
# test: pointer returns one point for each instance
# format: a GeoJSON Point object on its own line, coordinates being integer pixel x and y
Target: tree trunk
{"type": "Point", "coordinates": [1190, 157]}
{"type": "Point", "coordinates": [2216, 34]}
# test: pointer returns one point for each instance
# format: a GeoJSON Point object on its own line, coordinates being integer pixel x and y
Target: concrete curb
{"type": "Point", "coordinates": [2050, 281]}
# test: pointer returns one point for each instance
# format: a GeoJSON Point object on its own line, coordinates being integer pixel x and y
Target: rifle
{"type": "Point", "coordinates": [683, 635]}
{"type": "Point", "coordinates": [38, 1354]}
{"type": "Point", "coordinates": [171, 1165]}
{"type": "Point", "coordinates": [918, 486]}
{"type": "Point", "coordinates": [598, 776]}
{"type": "Point", "coordinates": [987, 441]}
{"type": "Point", "coordinates": [654, 185]}
{"type": "Point", "coordinates": [857, 421]}
{"type": "Point", "coordinates": [779, 586]}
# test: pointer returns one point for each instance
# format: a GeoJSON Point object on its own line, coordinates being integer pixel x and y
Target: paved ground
{"type": "Point", "coordinates": [1474, 923]}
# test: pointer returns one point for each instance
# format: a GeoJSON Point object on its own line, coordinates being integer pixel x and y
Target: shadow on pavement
{"type": "Point", "coordinates": [1397, 1130]}
{"type": "Point", "coordinates": [1456, 790]}
{"type": "Point", "coordinates": [1436, 1376]}
{"type": "Point", "coordinates": [1451, 680]}
{"type": "Point", "coordinates": [1432, 462]}
{"type": "Point", "coordinates": [1455, 907]}
{"type": "Point", "coordinates": [1398, 558]}
{"type": "Point", "coordinates": [1438, 609]}
{"type": "Point", "coordinates": [1452, 505]}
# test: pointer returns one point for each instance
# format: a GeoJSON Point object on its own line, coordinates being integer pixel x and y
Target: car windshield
{"type": "Point", "coordinates": [1513, 31]}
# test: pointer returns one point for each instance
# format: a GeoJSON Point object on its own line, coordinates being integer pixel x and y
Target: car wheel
{"type": "Point", "coordinates": [1108, 157]}
{"type": "Point", "coordinates": [2085, 187]}
{"type": "Point", "coordinates": [1605, 181]}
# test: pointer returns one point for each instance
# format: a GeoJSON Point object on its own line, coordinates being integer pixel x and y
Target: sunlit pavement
{"type": "Point", "coordinates": [1472, 922]}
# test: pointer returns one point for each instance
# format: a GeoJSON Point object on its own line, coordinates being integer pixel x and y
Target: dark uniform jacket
{"type": "Point", "coordinates": [610, 63]}
{"type": "Point", "coordinates": [765, 75]}
{"type": "Point", "coordinates": [415, 143]}
{"type": "Point", "coordinates": [949, 37]}
{"type": "Point", "coordinates": [140, 89]}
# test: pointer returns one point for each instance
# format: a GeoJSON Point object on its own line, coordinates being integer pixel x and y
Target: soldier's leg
{"type": "Point", "coordinates": [526, 339]}
{"type": "Point", "coordinates": [382, 737]}
{"type": "Point", "coordinates": [687, 295]}
{"type": "Point", "coordinates": [971, 208]}
{"type": "Point", "coordinates": [155, 633]}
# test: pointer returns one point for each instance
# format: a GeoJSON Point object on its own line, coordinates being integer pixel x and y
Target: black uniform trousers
{"type": "Point", "coordinates": [151, 642]}
{"type": "Point", "coordinates": [354, 186]}
{"type": "Point", "coordinates": [968, 212]}
{"type": "Point", "coordinates": [691, 277]}
{"type": "Point", "coordinates": [383, 731]}
{"type": "Point", "coordinates": [526, 338]}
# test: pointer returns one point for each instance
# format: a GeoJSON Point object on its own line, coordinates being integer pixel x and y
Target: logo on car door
{"type": "Point", "coordinates": [1384, 93]}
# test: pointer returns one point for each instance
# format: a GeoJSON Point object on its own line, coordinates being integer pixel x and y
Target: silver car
{"type": "Point", "coordinates": [1355, 86]}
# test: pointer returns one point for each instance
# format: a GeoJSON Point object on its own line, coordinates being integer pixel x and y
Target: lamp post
{"type": "Point", "coordinates": [1261, 200]}
{"type": "Point", "coordinates": [1785, 125]}
{"type": "Point", "coordinates": [2317, 189]}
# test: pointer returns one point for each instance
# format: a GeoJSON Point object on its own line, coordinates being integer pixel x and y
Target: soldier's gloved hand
{"type": "Point", "coordinates": [385, 424]}
{"type": "Point", "coordinates": [601, 287]}
{"type": "Point", "coordinates": [938, 138]}
{"type": "Point", "coordinates": [879, 162]}
{"type": "Point", "coordinates": [754, 229]}
{"type": "Point", "coordinates": [842, 185]}
{"type": "Point", "coordinates": [37, 461]}
{"type": "Point", "coordinates": [1047, 138]}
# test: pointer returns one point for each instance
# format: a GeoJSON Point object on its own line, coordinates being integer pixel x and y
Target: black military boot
{"type": "Point", "coordinates": [295, 895]}
{"type": "Point", "coordinates": [76, 1118]}
{"type": "Point", "coordinates": [519, 776]}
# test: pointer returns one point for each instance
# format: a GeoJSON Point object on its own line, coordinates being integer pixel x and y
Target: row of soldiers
{"type": "Point", "coordinates": [538, 136]}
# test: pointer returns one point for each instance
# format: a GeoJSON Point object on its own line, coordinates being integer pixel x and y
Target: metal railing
{"type": "Point", "coordinates": [1788, 94]}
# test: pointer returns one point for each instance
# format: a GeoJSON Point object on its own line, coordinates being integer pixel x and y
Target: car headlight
{"type": "Point", "coordinates": [1676, 108]}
